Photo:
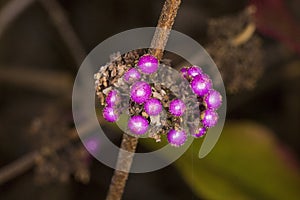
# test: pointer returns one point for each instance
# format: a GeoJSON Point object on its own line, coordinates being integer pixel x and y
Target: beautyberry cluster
{"type": "Point", "coordinates": [143, 98]}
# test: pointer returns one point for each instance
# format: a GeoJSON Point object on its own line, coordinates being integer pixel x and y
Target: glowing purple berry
{"type": "Point", "coordinates": [184, 72]}
{"type": "Point", "coordinates": [210, 118]}
{"type": "Point", "coordinates": [176, 137]}
{"type": "Point", "coordinates": [177, 107]}
{"type": "Point", "coordinates": [201, 132]}
{"type": "Point", "coordinates": [138, 125]}
{"type": "Point", "coordinates": [140, 92]}
{"type": "Point", "coordinates": [148, 64]}
{"type": "Point", "coordinates": [132, 75]}
{"type": "Point", "coordinates": [194, 71]}
{"type": "Point", "coordinates": [201, 84]}
{"type": "Point", "coordinates": [213, 100]}
{"type": "Point", "coordinates": [110, 114]}
{"type": "Point", "coordinates": [153, 107]}
{"type": "Point", "coordinates": [112, 98]}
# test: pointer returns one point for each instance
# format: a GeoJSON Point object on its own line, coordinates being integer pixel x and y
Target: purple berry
{"type": "Point", "coordinates": [153, 107]}
{"type": "Point", "coordinates": [184, 72]}
{"type": "Point", "coordinates": [194, 71]}
{"type": "Point", "coordinates": [201, 132]}
{"type": "Point", "coordinates": [110, 114]}
{"type": "Point", "coordinates": [132, 75]}
{"type": "Point", "coordinates": [213, 100]}
{"type": "Point", "coordinates": [177, 107]}
{"type": "Point", "coordinates": [112, 98]}
{"type": "Point", "coordinates": [138, 125]}
{"type": "Point", "coordinates": [148, 64]}
{"type": "Point", "coordinates": [176, 137]}
{"type": "Point", "coordinates": [210, 118]}
{"type": "Point", "coordinates": [201, 84]}
{"type": "Point", "coordinates": [140, 92]}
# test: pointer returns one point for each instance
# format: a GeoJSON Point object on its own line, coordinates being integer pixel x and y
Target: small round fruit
{"type": "Point", "coordinates": [132, 75]}
{"type": "Point", "coordinates": [148, 64]}
{"type": "Point", "coordinates": [140, 92]}
{"type": "Point", "coordinates": [138, 125]}
{"type": "Point", "coordinates": [210, 118]}
{"type": "Point", "coordinates": [176, 137]}
{"type": "Point", "coordinates": [194, 71]}
{"type": "Point", "coordinates": [213, 100]}
{"type": "Point", "coordinates": [153, 107]}
{"type": "Point", "coordinates": [110, 114]}
{"type": "Point", "coordinates": [201, 85]}
{"type": "Point", "coordinates": [177, 107]}
{"type": "Point", "coordinates": [112, 98]}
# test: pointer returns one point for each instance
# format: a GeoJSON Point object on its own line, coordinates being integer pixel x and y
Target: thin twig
{"type": "Point", "coordinates": [60, 20]}
{"type": "Point", "coordinates": [17, 167]}
{"type": "Point", "coordinates": [129, 143]}
{"type": "Point", "coordinates": [11, 11]}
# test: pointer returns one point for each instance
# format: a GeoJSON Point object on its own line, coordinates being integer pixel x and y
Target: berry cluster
{"type": "Point", "coordinates": [149, 107]}
{"type": "Point", "coordinates": [210, 100]}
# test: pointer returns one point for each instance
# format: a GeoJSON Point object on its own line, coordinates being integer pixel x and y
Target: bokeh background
{"type": "Point", "coordinates": [257, 48]}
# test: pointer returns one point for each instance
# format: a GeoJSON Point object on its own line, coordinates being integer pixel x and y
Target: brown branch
{"type": "Point", "coordinates": [17, 167]}
{"type": "Point", "coordinates": [60, 20]}
{"type": "Point", "coordinates": [45, 81]}
{"type": "Point", "coordinates": [11, 11]}
{"type": "Point", "coordinates": [164, 26]}
{"type": "Point", "coordinates": [129, 143]}
{"type": "Point", "coordinates": [118, 182]}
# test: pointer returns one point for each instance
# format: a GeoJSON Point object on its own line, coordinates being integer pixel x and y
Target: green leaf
{"type": "Point", "coordinates": [246, 163]}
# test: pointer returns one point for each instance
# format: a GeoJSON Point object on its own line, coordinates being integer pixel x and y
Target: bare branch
{"type": "Point", "coordinates": [60, 20]}
{"type": "Point", "coordinates": [11, 11]}
{"type": "Point", "coordinates": [118, 182]}
{"type": "Point", "coordinates": [164, 25]}
{"type": "Point", "coordinates": [17, 167]}
{"type": "Point", "coordinates": [53, 83]}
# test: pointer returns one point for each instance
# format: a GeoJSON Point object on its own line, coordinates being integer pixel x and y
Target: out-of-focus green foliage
{"type": "Point", "coordinates": [247, 163]}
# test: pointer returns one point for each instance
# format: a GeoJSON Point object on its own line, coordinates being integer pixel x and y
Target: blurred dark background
{"type": "Point", "coordinates": [42, 44]}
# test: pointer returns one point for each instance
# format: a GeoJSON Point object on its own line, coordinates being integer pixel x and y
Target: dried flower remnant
{"type": "Point", "coordinates": [236, 50]}
{"type": "Point", "coordinates": [110, 74]}
{"type": "Point", "coordinates": [53, 133]}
